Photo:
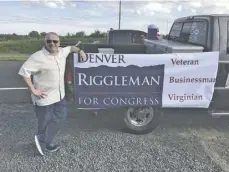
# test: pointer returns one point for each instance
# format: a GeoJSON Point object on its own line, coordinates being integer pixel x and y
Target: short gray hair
{"type": "Point", "coordinates": [51, 33]}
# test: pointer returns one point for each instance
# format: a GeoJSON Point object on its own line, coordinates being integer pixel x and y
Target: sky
{"type": "Point", "coordinates": [65, 16]}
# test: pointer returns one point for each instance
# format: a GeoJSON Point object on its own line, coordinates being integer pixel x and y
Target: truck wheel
{"type": "Point", "coordinates": [141, 120]}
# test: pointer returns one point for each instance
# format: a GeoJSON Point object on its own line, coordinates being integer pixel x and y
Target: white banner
{"type": "Point", "coordinates": [165, 80]}
{"type": "Point", "coordinates": [189, 80]}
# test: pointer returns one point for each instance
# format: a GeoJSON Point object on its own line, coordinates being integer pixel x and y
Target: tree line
{"type": "Point", "coordinates": [36, 35]}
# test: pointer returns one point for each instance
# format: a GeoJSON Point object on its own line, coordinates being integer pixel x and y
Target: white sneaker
{"type": "Point", "coordinates": [38, 145]}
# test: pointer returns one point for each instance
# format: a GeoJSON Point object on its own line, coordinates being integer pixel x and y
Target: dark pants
{"type": "Point", "coordinates": [50, 119]}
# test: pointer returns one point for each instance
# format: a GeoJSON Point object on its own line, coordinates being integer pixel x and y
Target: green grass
{"type": "Point", "coordinates": [13, 58]}
{"type": "Point", "coordinates": [29, 46]}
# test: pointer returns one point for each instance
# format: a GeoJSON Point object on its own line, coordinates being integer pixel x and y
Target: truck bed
{"type": "Point", "coordinates": [123, 49]}
{"type": "Point", "coordinates": [94, 48]}
{"type": "Point", "coordinates": [168, 46]}
{"type": "Point", "coordinates": [149, 47]}
{"type": "Point", "coordinates": [155, 47]}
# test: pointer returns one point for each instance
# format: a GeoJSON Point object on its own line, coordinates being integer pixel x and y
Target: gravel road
{"type": "Point", "coordinates": [99, 144]}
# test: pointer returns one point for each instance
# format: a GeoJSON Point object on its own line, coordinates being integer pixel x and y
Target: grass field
{"type": "Point", "coordinates": [28, 46]}
{"type": "Point", "coordinates": [13, 58]}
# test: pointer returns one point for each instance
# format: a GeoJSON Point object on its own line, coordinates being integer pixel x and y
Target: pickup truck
{"type": "Point", "coordinates": [203, 33]}
{"type": "Point", "coordinates": [123, 36]}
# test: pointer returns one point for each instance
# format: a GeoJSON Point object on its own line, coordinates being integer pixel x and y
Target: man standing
{"type": "Point", "coordinates": [47, 68]}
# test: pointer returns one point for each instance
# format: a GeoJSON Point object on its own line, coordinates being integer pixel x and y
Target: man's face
{"type": "Point", "coordinates": [52, 42]}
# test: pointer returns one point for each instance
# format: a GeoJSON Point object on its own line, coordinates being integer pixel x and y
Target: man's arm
{"type": "Point", "coordinates": [75, 49]}
{"type": "Point", "coordinates": [30, 67]}
{"type": "Point", "coordinates": [28, 81]}
{"type": "Point", "coordinates": [36, 92]}
{"type": "Point", "coordinates": [78, 50]}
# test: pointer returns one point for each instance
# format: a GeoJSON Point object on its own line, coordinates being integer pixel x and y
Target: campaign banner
{"type": "Point", "coordinates": [135, 80]}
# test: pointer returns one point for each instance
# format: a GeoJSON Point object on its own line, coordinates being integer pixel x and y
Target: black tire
{"type": "Point", "coordinates": [152, 122]}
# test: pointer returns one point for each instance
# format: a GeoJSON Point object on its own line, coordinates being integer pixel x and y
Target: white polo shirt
{"type": "Point", "coordinates": [48, 74]}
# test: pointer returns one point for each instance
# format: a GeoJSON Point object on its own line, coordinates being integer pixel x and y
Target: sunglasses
{"type": "Point", "coordinates": [50, 41]}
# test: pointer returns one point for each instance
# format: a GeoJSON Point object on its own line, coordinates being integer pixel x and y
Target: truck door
{"type": "Point", "coordinates": [221, 43]}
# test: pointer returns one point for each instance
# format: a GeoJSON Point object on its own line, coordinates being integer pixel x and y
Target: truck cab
{"type": "Point", "coordinates": [212, 34]}
{"type": "Point", "coordinates": [199, 33]}
{"type": "Point", "coordinates": [123, 37]}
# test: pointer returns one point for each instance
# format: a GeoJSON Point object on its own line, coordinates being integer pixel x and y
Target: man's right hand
{"type": "Point", "coordinates": [39, 93]}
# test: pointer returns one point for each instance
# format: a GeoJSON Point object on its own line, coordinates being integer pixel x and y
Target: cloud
{"type": "Point", "coordinates": [52, 5]}
{"type": "Point", "coordinates": [157, 7]}
{"type": "Point", "coordinates": [72, 16]}
{"type": "Point", "coordinates": [93, 13]}
{"type": "Point", "coordinates": [61, 4]}
{"type": "Point", "coordinates": [208, 7]}
{"type": "Point", "coordinates": [195, 4]}
{"type": "Point", "coordinates": [179, 8]}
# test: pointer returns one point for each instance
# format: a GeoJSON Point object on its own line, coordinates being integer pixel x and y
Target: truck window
{"type": "Point", "coordinates": [194, 32]}
{"type": "Point", "coordinates": [228, 37]}
{"type": "Point", "coordinates": [175, 31]}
